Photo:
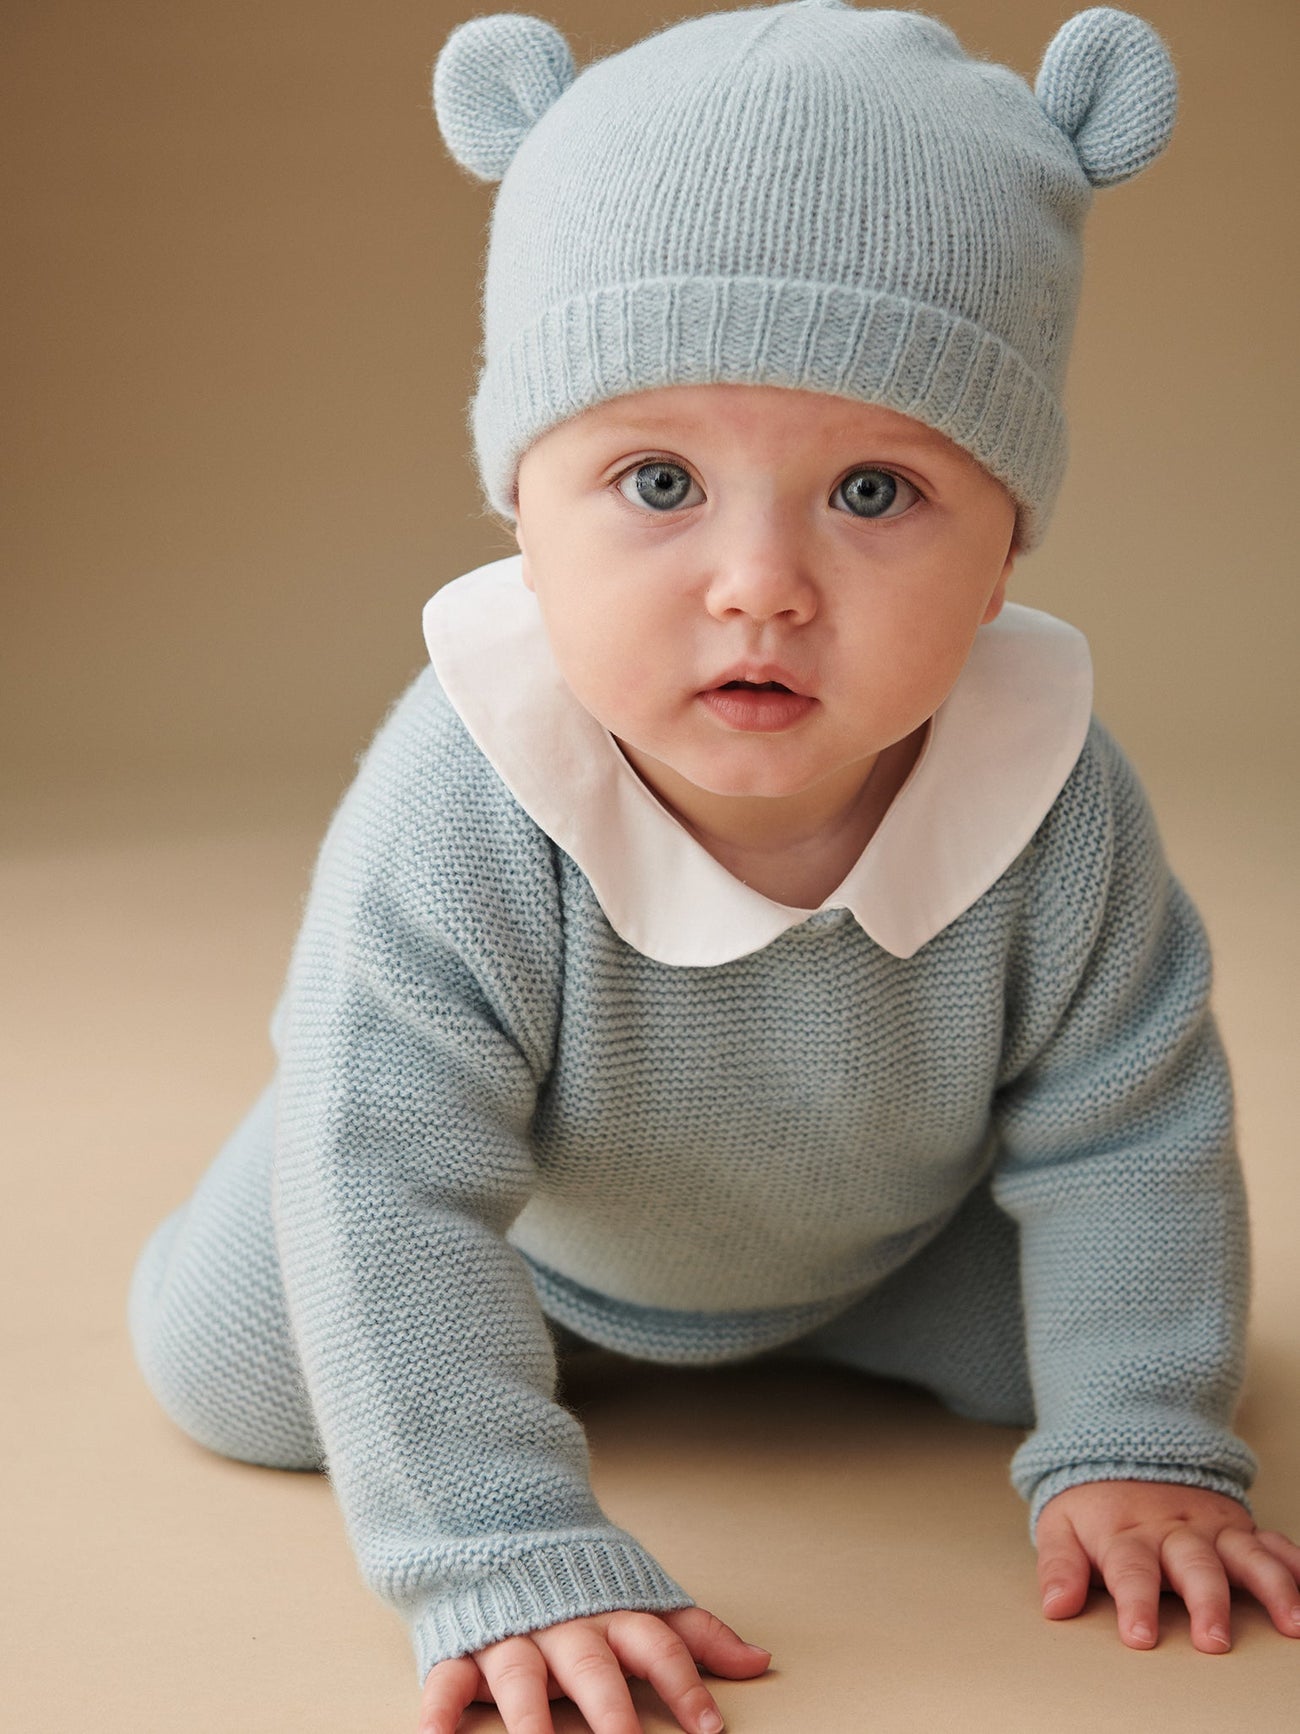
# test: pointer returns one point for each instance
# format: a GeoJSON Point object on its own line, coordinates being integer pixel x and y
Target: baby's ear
{"type": "Point", "coordinates": [1107, 80]}
{"type": "Point", "coordinates": [492, 81]}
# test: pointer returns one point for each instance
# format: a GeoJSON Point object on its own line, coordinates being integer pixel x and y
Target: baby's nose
{"type": "Point", "coordinates": [763, 589]}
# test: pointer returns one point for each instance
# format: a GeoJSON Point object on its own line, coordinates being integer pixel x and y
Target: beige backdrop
{"type": "Point", "coordinates": [241, 277]}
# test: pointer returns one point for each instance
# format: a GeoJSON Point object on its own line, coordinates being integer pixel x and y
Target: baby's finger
{"type": "Point", "coordinates": [1196, 1573]}
{"type": "Point", "coordinates": [1254, 1567]}
{"type": "Point", "coordinates": [1064, 1570]}
{"type": "Point", "coordinates": [653, 1651]}
{"type": "Point", "coordinates": [516, 1671]}
{"type": "Point", "coordinates": [713, 1643]}
{"type": "Point", "coordinates": [591, 1675]}
{"type": "Point", "coordinates": [1285, 1549]}
{"type": "Point", "coordinates": [449, 1689]}
{"type": "Point", "coordinates": [1131, 1572]}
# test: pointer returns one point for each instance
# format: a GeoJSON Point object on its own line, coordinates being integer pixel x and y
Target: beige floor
{"type": "Point", "coordinates": [869, 1539]}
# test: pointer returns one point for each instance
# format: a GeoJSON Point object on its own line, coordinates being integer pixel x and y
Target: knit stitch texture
{"type": "Point", "coordinates": [833, 198]}
{"type": "Point", "coordinates": [489, 1109]}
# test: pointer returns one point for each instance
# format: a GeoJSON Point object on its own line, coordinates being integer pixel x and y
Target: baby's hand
{"type": "Point", "coordinates": [586, 1659]}
{"type": "Point", "coordinates": [1140, 1534]}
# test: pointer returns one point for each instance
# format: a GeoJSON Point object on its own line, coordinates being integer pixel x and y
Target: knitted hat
{"type": "Point", "coordinates": [809, 194]}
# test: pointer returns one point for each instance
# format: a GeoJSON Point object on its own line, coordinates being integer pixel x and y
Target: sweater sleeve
{"type": "Point", "coordinates": [417, 1027]}
{"type": "Point", "coordinates": [1118, 1161]}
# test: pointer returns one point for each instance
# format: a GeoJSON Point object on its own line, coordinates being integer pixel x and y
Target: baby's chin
{"type": "Point", "coordinates": [752, 770]}
{"type": "Point", "coordinates": [755, 786]}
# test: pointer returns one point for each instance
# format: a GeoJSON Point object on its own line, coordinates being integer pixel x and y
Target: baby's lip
{"type": "Point", "coordinates": [761, 674]}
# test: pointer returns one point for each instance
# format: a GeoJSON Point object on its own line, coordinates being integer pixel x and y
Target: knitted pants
{"type": "Point", "coordinates": [211, 1332]}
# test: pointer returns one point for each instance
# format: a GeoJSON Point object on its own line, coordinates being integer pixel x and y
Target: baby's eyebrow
{"type": "Point", "coordinates": [652, 430]}
{"type": "Point", "coordinates": [628, 425]}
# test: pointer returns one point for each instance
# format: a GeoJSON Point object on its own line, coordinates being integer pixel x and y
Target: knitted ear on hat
{"type": "Point", "coordinates": [1108, 82]}
{"type": "Point", "coordinates": [493, 80]}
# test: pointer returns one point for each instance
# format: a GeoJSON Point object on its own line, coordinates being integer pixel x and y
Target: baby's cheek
{"type": "Point", "coordinates": [894, 694]}
{"type": "Point", "coordinates": [589, 661]}
{"type": "Point", "coordinates": [928, 666]}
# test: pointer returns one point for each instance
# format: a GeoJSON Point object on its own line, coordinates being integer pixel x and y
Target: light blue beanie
{"type": "Point", "coordinates": [811, 194]}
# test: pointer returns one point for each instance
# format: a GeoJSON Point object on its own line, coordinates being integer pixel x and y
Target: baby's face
{"type": "Point", "coordinates": [685, 539]}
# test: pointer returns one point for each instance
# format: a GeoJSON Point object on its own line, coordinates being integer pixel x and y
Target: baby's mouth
{"type": "Point", "coordinates": [757, 706]}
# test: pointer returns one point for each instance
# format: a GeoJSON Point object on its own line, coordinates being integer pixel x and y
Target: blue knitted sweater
{"type": "Point", "coordinates": [488, 1100]}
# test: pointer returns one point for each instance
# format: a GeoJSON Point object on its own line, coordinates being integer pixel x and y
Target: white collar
{"type": "Point", "coordinates": [996, 755]}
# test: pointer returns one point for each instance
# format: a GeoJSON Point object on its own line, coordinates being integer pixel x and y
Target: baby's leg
{"type": "Point", "coordinates": [207, 1312]}
{"type": "Point", "coordinates": [950, 1319]}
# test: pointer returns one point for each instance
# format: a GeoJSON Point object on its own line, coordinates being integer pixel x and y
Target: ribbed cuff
{"type": "Point", "coordinates": [562, 1581]}
{"type": "Point", "coordinates": [1076, 1474]}
{"type": "Point", "coordinates": [870, 344]}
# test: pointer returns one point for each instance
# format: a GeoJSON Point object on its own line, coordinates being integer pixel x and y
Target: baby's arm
{"type": "Point", "coordinates": [422, 1002]}
{"type": "Point", "coordinates": [586, 1660]}
{"type": "Point", "coordinates": [1119, 1164]}
{"type": "Point", "coordinates": [1138, 1535]}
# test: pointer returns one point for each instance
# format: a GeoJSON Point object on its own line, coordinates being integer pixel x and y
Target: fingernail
{"type": "Point", "coordinates": [760, 1651]}
{"type": "Point", "coordinates": [1217, 1635]}
{"type": "Point", "coordinates": [710, 1722]}
{"type": "Point", "coordinates": [1140, 1634]}
{"type": "Point", "coordinates": [1295, 1616]}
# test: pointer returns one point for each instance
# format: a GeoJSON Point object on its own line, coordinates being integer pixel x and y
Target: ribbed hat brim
{"type": "Point", "coordinates": [858, 343]}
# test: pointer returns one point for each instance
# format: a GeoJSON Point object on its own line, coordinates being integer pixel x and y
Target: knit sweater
{"type": "Point", "coordinates": [490, 1103]}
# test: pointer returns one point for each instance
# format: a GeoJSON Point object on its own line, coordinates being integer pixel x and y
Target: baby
{"type": "Point", "coordinates": [742, 939]}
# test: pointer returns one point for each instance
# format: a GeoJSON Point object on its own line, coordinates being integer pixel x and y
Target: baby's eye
{"type": "Point", "coordinates": [659, 484]}
{"type": "Point", "coordinates": [870, 493]}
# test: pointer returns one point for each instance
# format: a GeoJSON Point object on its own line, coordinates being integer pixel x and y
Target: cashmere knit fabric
{"type": "Point", "coordinates": [833, 198]}
{"type": "Point", "coordinates": [490, 1111]}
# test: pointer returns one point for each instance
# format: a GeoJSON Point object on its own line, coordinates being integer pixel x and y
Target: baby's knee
{"type": "Point", "coordinates": [227, 1392]}
{"type": "Point", "coordinates": [1001, 1409]}
{"type": "Point", "coordinates": [999, 1393]}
